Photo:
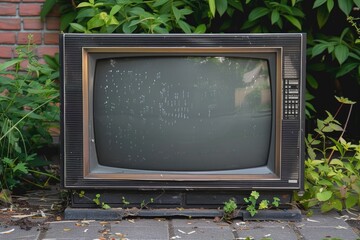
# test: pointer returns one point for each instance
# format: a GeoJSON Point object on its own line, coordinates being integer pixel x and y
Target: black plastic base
{"type": "Point", "coordinates": [291, 214]}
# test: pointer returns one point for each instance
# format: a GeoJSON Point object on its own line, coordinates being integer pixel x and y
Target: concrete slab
{"type": "Point", "coordinates": [260, 230]}
{"type": "Point", "coordinates": [15, 233]}
{"type": "Point", "coordinates": [325, 225]}
{"type": "Point", "coordinates": [200, 229]}
{"type": "Point", "coordinates": [72, 230]}
{"type": "Point", "coordinates": [142, 229]}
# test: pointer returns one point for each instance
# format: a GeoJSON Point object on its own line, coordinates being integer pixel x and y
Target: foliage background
{"type": "Point", "coordinates": [333, 54]}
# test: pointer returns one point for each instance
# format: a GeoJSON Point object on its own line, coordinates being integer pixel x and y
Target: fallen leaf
{"type": "Point", "coordinates": [67, 229]}
{"type": "Point", "coordinates": [8, 231]}
{"type": "Point", "coordinates": [340, 227]}
{"type": "Point", "coordinates": [311, 220]}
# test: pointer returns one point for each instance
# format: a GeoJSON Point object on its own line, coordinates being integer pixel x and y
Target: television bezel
{"type": "Point", "coordinates": [76, 166]}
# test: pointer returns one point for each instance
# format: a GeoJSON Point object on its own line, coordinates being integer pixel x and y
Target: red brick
{"type": "Point", "coordinates": [51, 38]}
{"type": "Point", "coordinates": [33, 24]}
{"type": "Point", "coordinates": [11, 0]}
{"type": "Point", "coordinates": [29, 9]}
{"type": "Point", "coordinates": [23, 37]}
{"type": "Point", "coordinates": [8, 9]}
{"type": "Point", "coordinates": [34, 1]}
{"type": "Point", "coordinates": [47, 51]}
{"type": "Point", "coordinates": [8, 37]}
{"type": "Point", "coordinates": [10, 24]}
{"type": "Point", "coordinates": [52, 23]}
{"type": "Point", "coordinates": [24, 64]}
{"type": "Point", "coordinates": [6, 51]}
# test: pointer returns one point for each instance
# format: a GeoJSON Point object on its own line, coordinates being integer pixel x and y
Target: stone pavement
{"type": "Point", "coordinates": [317, 227]}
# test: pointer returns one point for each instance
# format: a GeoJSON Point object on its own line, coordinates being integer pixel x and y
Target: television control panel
{"type": "Point", "coordinates": [291, 98]}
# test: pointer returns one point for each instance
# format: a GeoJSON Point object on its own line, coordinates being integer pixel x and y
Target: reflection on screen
{"type": "Point", "coordinates": [182, 113]}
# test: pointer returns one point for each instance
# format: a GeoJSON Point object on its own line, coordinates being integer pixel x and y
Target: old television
{"type": "Point", "coordinates": [182, 114]}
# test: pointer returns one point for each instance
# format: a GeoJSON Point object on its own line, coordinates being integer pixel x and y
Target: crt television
{"type": "Point", "coordinates": [179, 112]}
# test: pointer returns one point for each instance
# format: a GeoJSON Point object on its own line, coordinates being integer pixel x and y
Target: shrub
{"type": "Point", "coordinates": [332, 177]}
{"type": "Point", "coordinates": [28, 108]}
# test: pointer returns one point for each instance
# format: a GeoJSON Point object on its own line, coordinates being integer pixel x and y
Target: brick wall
{"type": "Point", "coordinates": [18, 18]}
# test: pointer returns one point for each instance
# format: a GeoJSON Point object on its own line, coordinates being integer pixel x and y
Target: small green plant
{"type": "Point", "coordinates": [98, 202]}
{"type": "Point", "coordinates": [229, 209]}
{"type": "Point", "coordinates": [253, 207]}
{"type": "Point", "coordinates": [28, 109]}
{"type": "Point", "coordinates": [96, 199]}
{"type": "Point", "coordinates": [332, 178]}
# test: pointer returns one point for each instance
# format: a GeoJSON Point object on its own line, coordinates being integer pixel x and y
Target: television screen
{"type": "Point", "coordinates": [182, 113]}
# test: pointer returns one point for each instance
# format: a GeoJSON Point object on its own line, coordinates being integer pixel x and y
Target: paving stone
{"type": "Point", "coordinates": [325, 225]}
{"type": "Point", "coordinates": [201, 229]}
{"type": "Point", "coordinates": [15, 233]}
{"type": "Point", "coordinates": [259, 230]}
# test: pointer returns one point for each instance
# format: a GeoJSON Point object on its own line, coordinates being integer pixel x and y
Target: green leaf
{"type": "Point", "coordinates": [294, 21]}
{"type": "Point", "coordinates": [200, 29]}
{"type": "Point", "coordinates": [66, 19]}
{"type": "Point", "coordinates": [115, 9]}
{"type": "Point", "coordinates": [86, 12]}
{"type": "Point", "coordinates": [255, 194]}
{"type": "Point", "coordinates": [346, 68]}
{"type": "Point", "coordinates": [322, 16]}
{"type": "Point", "coordinates": [351, 201]}
{"type": "Point", "coordinates": [237, 5]}
{"type": "Point", "coordinates": [312, 81]}
{"type": "Point", "coordinates": [78, 27]}
{"type": "Point", "coordinates": [264, 204]}
{"type": "Point", "coordinates": [324, 196]}
{"type": "Point", "coordinates": [328, 206]}
{"type": "Point", "coordinates": [176, 12]}
{"type": "Point", "coordinates": [21, 167]}
{"type": "Point", "coordinates": [357, 3]}
{"type": "Point", "coordinates": [330, 5]}
{"type": "Point", "coordinates": [186, 11]}
{"type": "Point", "coordinates": [9, 63]}
{"type": "Point", "coordinates": [212, 6]}
{"type": "Point", "coordinates": [311, 153]}
{"type": "Point", "coordinates": [258, 13]}
{"type": "Point", "coordinates": [337, 204]}
{"type": "Point", "coordinates": [221, 6]}
{"type": "Point", "coordinates": [336, 161]}
{"type": "Point", "coordinates": [85, 4]}
{"type": "Point", "coordinates": [95, 22]}
{"type": "Point", "coordinates": [46, 8]}
{"type": "Point", "coordinates": [345, 6]}
{"type": "Point", "coordinates": [318, 49]}
{"type": "Point", "coordinates": [344, 100]}
{"type": "Point", "coordinates": [341, 53]}
{"type": "Point", "coordinates": [158, 3]}
{"type": "Point", "coordinates": [275, 16]}
{"type": "Point", "coordinates": [127, 28]}
{"type": "Point", "coordinates": [184, 26]}
{"type": "Point", "coordinates": [318, 3]}
{"type": "Point", "coordinates": [335, 127]}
